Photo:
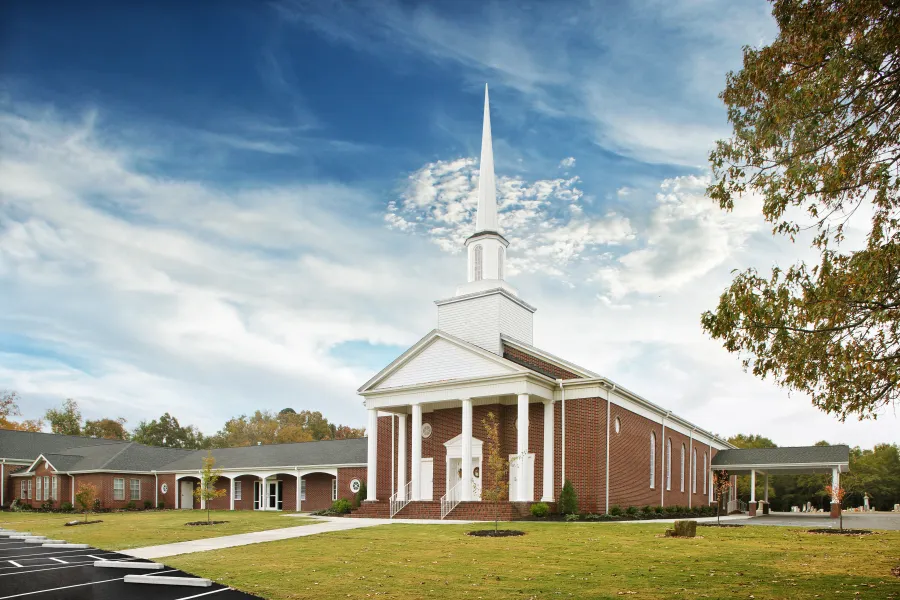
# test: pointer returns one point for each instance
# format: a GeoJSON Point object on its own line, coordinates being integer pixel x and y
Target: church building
{"type": "Point", "coordinates": [557, 421]}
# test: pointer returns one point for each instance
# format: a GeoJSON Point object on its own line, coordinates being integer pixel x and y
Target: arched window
{"type": "Point", "coordinates": [618, 425]}
{"type": "Point", "coordinates": [694, 472]}
{"type": "Point", "coordinates": [705, 475]}
{"type": "Point", "coordinates": [683, 452]}
{"type": "Point", "coordinates": [652, 460]}
{"type": "Point", "coordinates": [669, 464]}
{"type": "Point", "coordinates": [500, 262]}
{"type": "Point", "coordinates": [478, 263]}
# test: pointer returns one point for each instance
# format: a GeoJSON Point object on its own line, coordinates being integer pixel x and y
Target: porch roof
{"type": "Point", "coordinates": [792, 459]}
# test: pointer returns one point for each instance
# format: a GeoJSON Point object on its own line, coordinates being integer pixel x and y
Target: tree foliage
{"type": "Point", "coordinates": [85, 497]}
{"type": "Point", "coordinates": [111, 429]}
{"type": "Point", "coordinates": [265, 427]}
{"type": "Point", "coordinates": [816, 123]}
{"type": "Point", "coordinates": [65, 420]}
{"type": "Point", "coordinates": [495, 482]}
{"type": "Point", "coordinates": [9, 407]}
{"type": "Point", "coordinates": [209, 475]}
{"type": "Point", "coordinates": [167, 432]}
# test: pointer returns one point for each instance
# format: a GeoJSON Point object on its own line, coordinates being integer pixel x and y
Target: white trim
{"type": "Point", "coordinates": [550, 358]}
{"type": "Point", "coordinates": [489, 292]}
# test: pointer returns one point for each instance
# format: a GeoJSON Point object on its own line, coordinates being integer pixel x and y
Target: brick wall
{"type": "Point", "coordinates": [536, 364]}
{"type": "Point", "coordinates": [10, 485]}
{"type": "Point", "coordinates": [169, 497]}
{"type": "Point", "coordinates": [318, 491]}
{"type": "Point", "coordinates": [348, 474]}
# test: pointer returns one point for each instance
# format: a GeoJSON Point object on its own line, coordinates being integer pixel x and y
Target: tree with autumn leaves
{"type": "Point", "coordinates": [816, 119]}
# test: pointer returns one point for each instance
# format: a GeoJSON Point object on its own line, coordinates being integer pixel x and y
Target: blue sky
{"type": "Point", "coordinates": [213, 208]}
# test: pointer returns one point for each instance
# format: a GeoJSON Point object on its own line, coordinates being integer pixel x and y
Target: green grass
{"type": "Point", "coordinates": [145, 528]}
{"type": "Point", "coordinates": [559, 560]}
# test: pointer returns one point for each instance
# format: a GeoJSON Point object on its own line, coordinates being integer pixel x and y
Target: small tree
{"type": "Point", "coordinates": [721, 483]}
{"type": "Point", "coordinates": [85, 497]}
{"type": "Point", "coordinates": [568, 499]}
{"type": "Point", "coordinates": [837, 494]}
{"type": "Point", "coordinates": [361, 495]}
{"type": "Point", "coordinates": [207, 491]}
{"type": "Point", "coordinates": [497, 489]}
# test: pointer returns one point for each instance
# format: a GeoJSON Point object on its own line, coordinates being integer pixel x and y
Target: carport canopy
{"type": "Point", "coordinates": [796, 459]}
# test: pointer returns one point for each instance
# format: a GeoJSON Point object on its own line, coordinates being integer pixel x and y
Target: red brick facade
{"type": "Point", "coordinates": [536, 364]}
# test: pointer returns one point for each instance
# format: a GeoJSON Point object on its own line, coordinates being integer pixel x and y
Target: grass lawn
{"type": "Point", "coordinates": [577, 560]}
{"type": "Point", "coordinates": [145, 528]}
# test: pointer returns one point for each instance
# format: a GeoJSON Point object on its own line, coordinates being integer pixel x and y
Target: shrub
{"type": "Point", "coordinates": [568, 499]}
{"type": "Point", "coordinates": [593, 517]}
{"type": "Point", "coordinates": [148, 504]}
{"type": "Point", "coordinates": [572, 517]}
{"type": "Point", "coordinates": [341, 506]}
{"type": "Point", "coordinates": [96, 504]}
{"type": "Point", "coordinates": [47, 506]}
{"type": "Point", "coordinates": [615, 510]}
{"type": "Point", "coordinates": [66, 507]}
{"type": "Point", "coordinates": [161, 504]}
{"type": "Point", "coordinates": [671, 510]}
{"type": "Point", "coordinates": [361, 494]}
{"type": "Point", "coordinates": [131, 505]}
{"type": "Point", "coordinates": [659, 510]}
{"type": "Point", "coordinates": [25, 506]}
{"type": "Point", "coordinates": [540, 510]}
{"type": "Point", "coordinates": [631, 510]}
{"type": "Point", "coordinates": [647, 510]}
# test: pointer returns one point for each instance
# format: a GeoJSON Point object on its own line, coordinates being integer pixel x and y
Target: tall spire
{"type": "Point", "coordinates": [486, 220]}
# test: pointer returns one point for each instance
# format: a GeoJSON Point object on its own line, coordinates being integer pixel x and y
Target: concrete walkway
{"type": "Point", "coordinates": [327, 524]}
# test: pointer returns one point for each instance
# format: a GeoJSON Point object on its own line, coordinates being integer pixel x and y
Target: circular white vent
{"type": "Point", "coordinates": [355, 485]}
{"type": "Point", "coordinates": [426, 430]}
{"type": "Point", "coordinates": [164, 488]}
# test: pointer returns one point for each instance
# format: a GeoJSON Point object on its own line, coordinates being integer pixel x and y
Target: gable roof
{"type": "Point", "coordinates": [787, 455]}
{"type": "Point", "coordinates": [486, 363]}
{"type": "Point", "coordinates": [306, 454]}
{"type": "Point", "coordinates": [26, 445]}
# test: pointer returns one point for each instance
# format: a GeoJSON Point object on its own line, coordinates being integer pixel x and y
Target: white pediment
{"type": "Point", "coordinates": [441, 359]}
{"type": "Point", "coordinates": [454, 447]}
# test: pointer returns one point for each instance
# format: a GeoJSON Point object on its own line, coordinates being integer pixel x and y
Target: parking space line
{"type": "Point", "coordinates": [66, 587]}
{"type": "Point", "coordinates": [14, 563]}
{"type": "Point", "coordinates": [224, 589]}
{"type": "Point", "coordinates": [59, 560]}
{"type": "Point", "coordinates": [39, 570]}
{"type": "Point", "coordinates": [63, 552]}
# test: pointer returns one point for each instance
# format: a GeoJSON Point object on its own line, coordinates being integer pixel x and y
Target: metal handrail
{"type": "Point", "coordinates": [451, 499]}
{"type": "Point", "coordinates": [398, 500]}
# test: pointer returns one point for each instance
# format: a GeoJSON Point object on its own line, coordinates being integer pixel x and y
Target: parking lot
{"type": "Point", "coordinates": [34, 571]}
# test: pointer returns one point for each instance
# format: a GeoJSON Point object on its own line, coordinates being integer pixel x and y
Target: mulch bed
{"type": "Point", "coordinates": [841, 531]}
{"type": "Point", "coordinates": [74, 523]}
{"type": "Point", "coordinates": [497, 533]}
{"type": "Point", "coordinates": [719, 525]}
{"type": "Point", "coordinates": [198, 523]}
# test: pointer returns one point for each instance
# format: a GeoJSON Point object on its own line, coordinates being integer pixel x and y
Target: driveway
{"type": "Point", "coordinates": [884, 520]}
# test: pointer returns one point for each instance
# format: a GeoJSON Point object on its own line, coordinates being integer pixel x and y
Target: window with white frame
{"type": "Point", "coordinates": [46, 487]}
{"type": "Point", "coordinates": [38, 490]}
{"type": "Point", "coordinates": [669, 464]}
{"type": "Point", "coordinates": [55, 493]}
{"type": "Point", "coordinates": [29, 489]}
{"type": "Point", "coordinates": [334, 489]}
{"type": "Point", "coordinates": [652, 460]}
{"type": "Point", "coordinates": [705, 475]}
{"type": "Point", "coordinates": [479, 261]}
{"type": "Point", "coordinates": [135, 488]}
{"type": "Point", "coordinates": [237, 490]}
{"type": "Point", "coordinates": [683, 452]}
{"type": "Point", "coordinates": [694, 472]}
{"type": "Point", "coordinates": [24, 493]}
{"type": "Point", "coordinates": [302, 490]}
{"type": "Point", "coordinates": [119, 488]}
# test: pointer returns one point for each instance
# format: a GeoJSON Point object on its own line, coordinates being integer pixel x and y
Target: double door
{"type": "Point", "coordinates": [267, 495]}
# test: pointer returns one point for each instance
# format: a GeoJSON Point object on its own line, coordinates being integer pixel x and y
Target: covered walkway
{"type": "Point", "coordinates": [788, 460]}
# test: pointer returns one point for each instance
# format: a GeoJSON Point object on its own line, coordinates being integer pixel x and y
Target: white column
{"type": "Point", "coordinates": [202, 499]}
{"type": "Point", "coordinates": [264, 493]}
{"type": "Point", "coordinates": [752, 485]}
{"type": "Point", "coordinates": [416, 452]}
{"type": "Point", "coordinates": [766, 493]}
{"type": "Point", "coordinates": [231, 495]}
{"type": "Point", "coordinates": [371, 474]}
{"type": "Point", "coordinates": [297, 505]}
{"type": "Point", "coordinates": [548, 452]}
{"type": "Point", "coordinates": [522, 450]}
{"type": "Point", "coordinates": [401, 457]}
{"type": "Point", "coordinates": [466, 492]}
{"type": "Point", "coordinates": [835, 484]}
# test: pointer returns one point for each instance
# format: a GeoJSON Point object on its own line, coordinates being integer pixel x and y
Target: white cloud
{"type": "Point", "coordinates": [543, 219]}
{"type": "Point", "coordinates": [567, 163]}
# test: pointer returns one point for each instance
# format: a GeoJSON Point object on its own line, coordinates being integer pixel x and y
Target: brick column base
{"type": "Point", "coordinates": [835, 510]}
{"type": "Point", "coordinates": [753, 509]}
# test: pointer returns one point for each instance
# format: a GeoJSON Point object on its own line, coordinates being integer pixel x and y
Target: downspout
{"type": "Point", "coordinates": [72, 486]}
{"type": "Point", "coordinates": [156, 490]}
{"type": "Point", "coordinates": [562, 391]}
{"type": "Point", "coordinates": [393, 458]}
{"type": "Point", "coordinates": [608, 411]}
{"type": "Point", "coordinates": [3, 481]}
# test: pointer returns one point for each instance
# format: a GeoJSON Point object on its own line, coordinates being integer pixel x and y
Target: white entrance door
{"type": "Point", "coordinates": [514, 478]}
{"type": "Point", "coordinates": [187, 495]}
{"type": "Point", "coordinates": [274, 495]}
{"type": "Point", "coordinates": [427, 487]}
{"type": "Point", "coordinates": [454, 475]}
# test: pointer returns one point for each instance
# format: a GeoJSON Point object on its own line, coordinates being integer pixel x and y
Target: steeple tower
{"type": "Point", "coordinates": [485, 308]}
{"type": "Point", "coordinates": [486, 247]}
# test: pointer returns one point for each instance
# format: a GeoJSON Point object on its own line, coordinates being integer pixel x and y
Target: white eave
{"type": "Point", "coordinates": [547, 357]}
{"type": "Point", "coordinates": [489, 292]}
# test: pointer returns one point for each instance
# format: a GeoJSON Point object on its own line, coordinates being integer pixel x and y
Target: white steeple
{"type": "Point", "coordinates": [486, 307]}
{"type": "Point", "coordinates": [486, 220]}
